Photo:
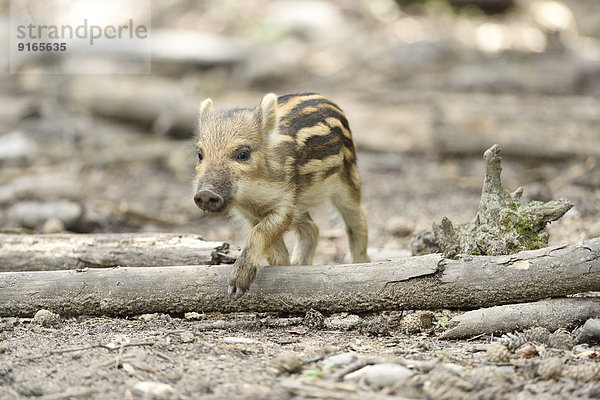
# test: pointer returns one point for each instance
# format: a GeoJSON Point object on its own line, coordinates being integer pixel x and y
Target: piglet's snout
{"type": "Point", "coordinates": [207, 199]}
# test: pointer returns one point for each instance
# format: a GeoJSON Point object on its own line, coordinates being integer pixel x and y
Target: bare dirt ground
{"type": "Point", "coordinates": [127, 176]}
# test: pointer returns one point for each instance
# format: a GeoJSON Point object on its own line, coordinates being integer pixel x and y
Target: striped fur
{"type": "Point", "coordinates": [301, 155]}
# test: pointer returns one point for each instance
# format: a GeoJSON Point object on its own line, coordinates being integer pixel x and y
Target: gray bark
{"type": "Point", "coordinates": [550, 314]}
{"type": "Point", "coordinates": [423, 282]}
{"type": "Point", "coordinates": [68, 251]}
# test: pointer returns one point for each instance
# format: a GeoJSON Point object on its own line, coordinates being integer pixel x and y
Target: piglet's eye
{"type": "Point", "coordinates": [243, 155]}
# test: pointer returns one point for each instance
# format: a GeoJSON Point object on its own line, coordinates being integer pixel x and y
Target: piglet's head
{"type": "Point", "coordinates": [231, 151]}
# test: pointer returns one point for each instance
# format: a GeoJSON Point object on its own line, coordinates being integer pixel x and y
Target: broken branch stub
{"type": "Point", "coordinates": [503, 224]}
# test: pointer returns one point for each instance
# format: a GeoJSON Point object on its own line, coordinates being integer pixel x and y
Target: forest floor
{"type": "Point", "coordinates": [265, 356]}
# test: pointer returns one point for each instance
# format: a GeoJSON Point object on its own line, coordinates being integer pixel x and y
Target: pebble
{"type": "Point", "coordinates": [498, 353]}
{"type": "Point", "coordinates": [527, 351]}
{"type": "Point", "coordinates": [17, 148]}
{"type": "Point", "coordinates": [238, 340]}
{"type": "Point", "coordinates": [151, 390]}
{"type": "Point", "coordinates": [53, 225]}
{"type": "Point", "coordinates": [580, 348]}
{"type": "Point", "coordinates": [193, 315]}
{"type": "Point", "coordinates": [342, 358]}
{"type": "Point", "coordinates": [45, 318]}
{"type": "Point", "coordinates": [386, 374]}
{"type": "Point", "coordinates": [590, 332]}
{"type": "Point", "coordinates": [288, 362]}
{"type": "Point", "coordinates": [342, 321]}
{"type": "Point", "coordinates": [186, 337]}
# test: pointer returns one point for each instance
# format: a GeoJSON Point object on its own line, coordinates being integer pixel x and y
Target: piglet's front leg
{"type": "Point", "coordinates": [261, 237]}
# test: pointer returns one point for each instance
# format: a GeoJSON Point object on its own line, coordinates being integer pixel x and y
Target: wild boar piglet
{"type": "Point", "coordinates": [271, 165]}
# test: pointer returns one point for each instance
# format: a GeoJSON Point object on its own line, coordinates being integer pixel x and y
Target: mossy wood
{"type": "Point", "coordinates": [422, 282]}
{"type": "Point", "coordinates": [502, 225]}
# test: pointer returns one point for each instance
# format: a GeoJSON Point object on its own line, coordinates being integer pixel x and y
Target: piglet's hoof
{"type": "Point", "coordinates": [240, 280]}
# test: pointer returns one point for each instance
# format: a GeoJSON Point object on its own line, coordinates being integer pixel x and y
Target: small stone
{"type": "Point", "coordinates": [580, 348]}
{"type": "Point", "coordinates": [46, 318]}
{"type": "Point", "coordinates": [288, 363]}
{"type": "Point", "coordinates": [342, 358]}
{"type": "Point", "coordinates": [386, 374]}
{"type": "Point", "coordinates": [238, 340]}
{"type": "Point", "coordinates": [314, 319]}
{"type": "Point", "coordinates": [53, 225]}
{"type": "Point", "coordinates": [550, 368]}
{"type": "Point", "coordinates": [186, 337]}
{"type": "Point", "coordinates": [118, 341]}
{"type": "Point", "coordinates": [590, 332]}
{"type": "Point", "coordinates": [526, 351]}
{"type": "Point", "coordinates": [150, 390]}
{"type": "Point", "coordinates": [16, 149]}
{"type": "Point", "coordinates": [148, 317]}
{"type": "Point", "coordinates": [497, 352]}
{"type": "Point", "coordinates": [193, 315]}
{"type": "Point", "coordinates": [561, 340]}
{"type": "Point", "coordinates": [130, 369]}
{"type": "Point", "coordinates": [343, 321]}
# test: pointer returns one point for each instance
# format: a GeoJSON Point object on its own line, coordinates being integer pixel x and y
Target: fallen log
{"type": "Point", "coordinates": [551, 314]}
{"type": "Point", "coordinates": [423, 282]}
{"type": "Point", "coordinates": [68, 251]}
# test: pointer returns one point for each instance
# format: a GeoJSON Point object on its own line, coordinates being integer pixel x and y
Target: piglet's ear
{"type": "Point", "coordinates": [267, 112]}
{"type": "Point", "coordinates": [206, 108]}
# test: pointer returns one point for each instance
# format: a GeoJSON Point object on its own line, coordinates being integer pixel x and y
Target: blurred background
{"type": "Point", "coordinates": [427, 86]}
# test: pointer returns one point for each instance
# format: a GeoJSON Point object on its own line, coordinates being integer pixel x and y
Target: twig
{"type": "Point", "coordinates": [475, 337]}
{"type": "Point", "coordinates": [119, 356]}
{"type": "Point", "coordinates": [355, 366]}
